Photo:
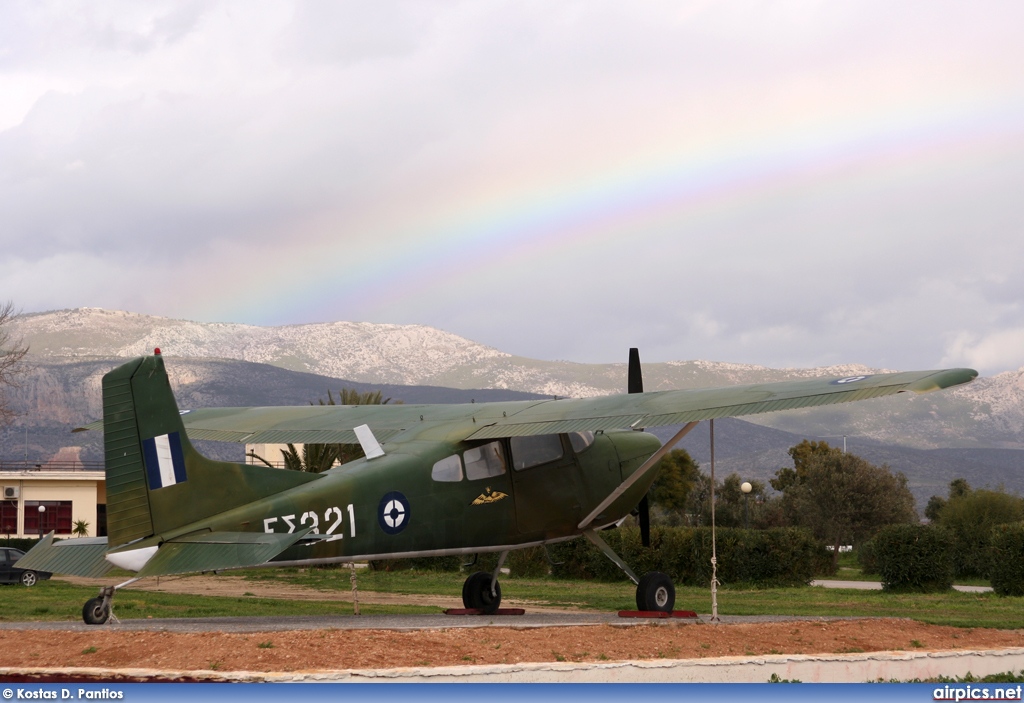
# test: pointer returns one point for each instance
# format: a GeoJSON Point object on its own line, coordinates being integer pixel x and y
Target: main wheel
{"type": "Point", "coordinates": [655, 592]}
{"type": "Point", "coordinates": [29, 578]}
{"type": "Point", "coordinates": [94, 612]}
{"type": "Point", "coordinates": [476, 593]}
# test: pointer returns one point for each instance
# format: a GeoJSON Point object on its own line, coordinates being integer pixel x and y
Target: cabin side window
{"type": "Point", "coordinates": [528, 452]}
{"type": "Point", "coordinates": [581, 440]}
{"type": "Point", "coordinates": [448, 469]}
{"type": "Point", "coordinates": [484, 461]}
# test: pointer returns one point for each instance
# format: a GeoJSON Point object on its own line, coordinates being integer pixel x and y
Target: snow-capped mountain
{"type": "Point", "coordinates": [986, 413]}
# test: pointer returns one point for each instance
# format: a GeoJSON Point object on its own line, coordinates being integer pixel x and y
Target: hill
{"type": "Point", "coordinates": [976, 431]}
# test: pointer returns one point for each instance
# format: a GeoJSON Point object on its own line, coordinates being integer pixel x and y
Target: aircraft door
{"type": "Point", "coordinates": [546, 484]}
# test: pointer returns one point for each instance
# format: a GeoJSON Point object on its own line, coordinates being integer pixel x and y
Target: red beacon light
{"type": "Point", "coordinates": [156, 352]}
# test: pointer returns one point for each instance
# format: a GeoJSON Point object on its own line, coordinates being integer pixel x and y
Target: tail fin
{"type": "Point", "coordinates": [156, 481]}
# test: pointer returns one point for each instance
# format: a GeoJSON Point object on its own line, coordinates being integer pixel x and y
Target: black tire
{"type": "Point", "coordinates": [655, 592]}
{"type": "Point", "coordinates": [94, 612]}
{"type": "Point", "coordinates": [29, 579]}
{"type": "Point", "coordinates": [476, 593]}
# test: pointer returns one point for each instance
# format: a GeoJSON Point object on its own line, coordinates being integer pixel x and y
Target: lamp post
{"type": "Point", "coordinates": [746, 488]}
{"type": "Point", "coordinates": [42, 509]}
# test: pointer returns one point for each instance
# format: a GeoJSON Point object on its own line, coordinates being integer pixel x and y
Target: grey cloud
{"type": "Point", "coordinates": [216, 131]}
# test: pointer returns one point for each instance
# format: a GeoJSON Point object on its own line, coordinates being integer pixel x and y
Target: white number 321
{"type": "Point", "coordinates": [333, 517]}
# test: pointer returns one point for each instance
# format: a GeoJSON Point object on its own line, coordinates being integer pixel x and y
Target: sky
{"type": "Point", "coordinates": [777, 183]}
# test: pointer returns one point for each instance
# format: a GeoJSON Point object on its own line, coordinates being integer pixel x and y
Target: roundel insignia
{"type": "Point", "coordinates": [393, 512]}
{"type": "Point", "coordinates": [849, 379]}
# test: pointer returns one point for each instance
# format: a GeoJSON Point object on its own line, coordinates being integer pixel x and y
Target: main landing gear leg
{"type": "Point", "coordinates": [481, 591]}
{"type": "Point", "coordinates": [654, 592]}
{"type": "Point", "coordinates": [99, 610]}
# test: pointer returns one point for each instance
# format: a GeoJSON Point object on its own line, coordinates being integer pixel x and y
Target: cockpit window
{"type": "Point", "coordinates": [581, 440]}
{"type": "Point", "coordinates": [532, 451]}
{"type": "Point", "coordinates": [484, 461]}
{"type": "Point", "coordinates": [448, 469]}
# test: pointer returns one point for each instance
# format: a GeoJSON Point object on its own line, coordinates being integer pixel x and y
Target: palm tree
{"type": "Point", "coordinates": [350, 396]}
{"type": "Point", "coordinates": [80, 528]}
{"type": "Point", "coordinates": [314, 458]}
{"type": "Point", "coordinates": [320, 457]}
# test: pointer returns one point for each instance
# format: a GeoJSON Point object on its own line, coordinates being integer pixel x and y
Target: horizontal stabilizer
{"type": "Point", "coordinates": [213, 551]}
{"type": "Point", "coordinates": [75, 557]}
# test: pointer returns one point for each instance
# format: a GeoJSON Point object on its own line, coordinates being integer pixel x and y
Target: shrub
{"type": "Point", "coordinates": [531, 562]}
{"type": "Point", "coordinates": [914, 558]}
{"type": "Point", "coordinates": [22, 543]}
{"type": "Point", "coordinates": [776, 557]}
{"type": "Point", "coordinates": [970, 517]}
{"type": "Point", "coordinates": [520, 562]}
{"type": "Point", "coordinates": [866, 557]}
{"type": "Point", "coordinates": [1006, 559]}
{"type": "Point", "coordinates": [450, 563]}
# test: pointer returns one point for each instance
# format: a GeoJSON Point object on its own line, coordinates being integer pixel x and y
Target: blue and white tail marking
{"type": "Point", "coordinates": [165, 462]}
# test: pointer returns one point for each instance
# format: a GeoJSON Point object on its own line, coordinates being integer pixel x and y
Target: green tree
{"type": "Point", "coordinates": [698, 502]}
{"type": "Point", "coordinates": [959, 487]}
{"type": "Point", "coordinates": [732, 505]}
{"type": "Point", "coordinates": [970, 515]}
{"type": "Point", "coordinates": [934, 508]}
{"type": "Point", "coordinates": [12, 353]}
{"type": "Point", "coordinates": [677, 475]}
{"type": "Point", "coordinates": [80, 528]}
{"type": "Point", "coordinates": [842, 498]}
{"type": "Point", "coordinates": [803, 454]}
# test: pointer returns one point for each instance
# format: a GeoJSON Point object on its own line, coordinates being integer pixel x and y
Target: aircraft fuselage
{"type": "Point", "coordinates": [436, 497]}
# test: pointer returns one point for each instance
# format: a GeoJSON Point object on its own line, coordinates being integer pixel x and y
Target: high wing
{"type": "Point", "coordinates": [335, 424]}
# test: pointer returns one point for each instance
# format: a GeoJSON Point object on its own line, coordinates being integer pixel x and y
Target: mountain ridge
{"type": "Point", "coordinates": [986, 413]}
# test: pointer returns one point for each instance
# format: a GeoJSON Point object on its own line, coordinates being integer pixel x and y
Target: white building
{"type": "Point", "coordinates": [38, 498]}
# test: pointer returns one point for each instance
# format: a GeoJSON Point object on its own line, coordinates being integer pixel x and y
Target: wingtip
{"type": "Point", "coordinates": [946, 378]}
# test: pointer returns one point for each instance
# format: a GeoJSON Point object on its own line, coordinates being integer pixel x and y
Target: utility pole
{"type": "Point", "coordinates": [746, 488]}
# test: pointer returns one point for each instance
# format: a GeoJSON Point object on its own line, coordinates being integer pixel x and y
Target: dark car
{"type": "Point", "coordinates": [9, 573]}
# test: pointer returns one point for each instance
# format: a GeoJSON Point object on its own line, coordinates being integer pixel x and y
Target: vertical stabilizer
{"type": "Point", "coordinates": [156, 481]}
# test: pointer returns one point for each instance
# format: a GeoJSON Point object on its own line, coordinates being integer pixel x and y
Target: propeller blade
{"type": "Point", "coordinates": [635, 384]}
{"type": "Point", "coordinates": [645, 521]}
{"type": "Point", "coordinates": [636, 379]}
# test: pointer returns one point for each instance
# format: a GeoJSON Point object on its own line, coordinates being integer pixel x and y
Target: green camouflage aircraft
{"type": "Point", "coordinates": [436, 479]}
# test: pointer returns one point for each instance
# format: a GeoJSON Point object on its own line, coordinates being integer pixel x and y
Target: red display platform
{"type": "Point", "coordinates": [657, 614]}
{"type": "Point", "coordinates": [477, 611]}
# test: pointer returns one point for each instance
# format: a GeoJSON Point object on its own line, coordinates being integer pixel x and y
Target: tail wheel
{"type": "Point", "coordinates": [29, 578]}
{"type": "Point", "coordinates": [476, 593]}
{"type": "Point", "coordinates": [95, 611]}
{"type": "Point", "coordinates": [655, 592]}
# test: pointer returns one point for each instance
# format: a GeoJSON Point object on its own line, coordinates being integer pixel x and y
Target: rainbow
{"type": "Point", "coordinates": [370, 266]}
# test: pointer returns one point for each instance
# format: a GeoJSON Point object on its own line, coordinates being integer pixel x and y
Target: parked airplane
{"type": "Point", "coordinates": [436, 479]}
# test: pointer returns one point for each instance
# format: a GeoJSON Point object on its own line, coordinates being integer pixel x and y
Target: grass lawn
{"type": "Point", "coordinates": [57, 600]}
{"type": "Point", "coordinates": [952, 608]}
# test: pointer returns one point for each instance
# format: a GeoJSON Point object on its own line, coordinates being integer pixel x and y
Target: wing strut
{"type": "Point", "coordinates": [610, 553]}
{"type": "Point", "coordinates": [637, 475]}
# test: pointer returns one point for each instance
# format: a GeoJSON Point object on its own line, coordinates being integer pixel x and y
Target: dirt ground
{"type": "Point", "coordinates": [232, 586]}
{"type": "Point", "coordinates": [332, 650]}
